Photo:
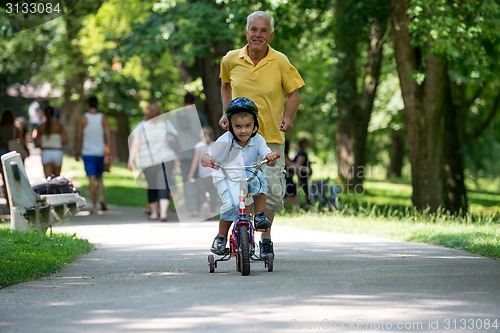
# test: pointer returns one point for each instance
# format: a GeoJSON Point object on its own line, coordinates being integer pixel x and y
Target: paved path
{"type": "Point", "coordinates": [152, 277]}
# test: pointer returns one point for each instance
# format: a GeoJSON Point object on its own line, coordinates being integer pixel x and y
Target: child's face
{"type": "Point", "coordinates": [243, 125]}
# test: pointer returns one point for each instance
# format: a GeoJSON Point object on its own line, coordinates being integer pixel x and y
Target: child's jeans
{"type": "Point", "coordinates": [229, 193]}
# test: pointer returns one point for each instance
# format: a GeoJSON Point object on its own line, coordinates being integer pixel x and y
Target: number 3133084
{"type": "Point", "coordinates": [32, 8]}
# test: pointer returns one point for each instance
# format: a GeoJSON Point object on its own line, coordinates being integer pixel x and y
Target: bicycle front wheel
{"type": "Point", "coordinates": [244, 250]}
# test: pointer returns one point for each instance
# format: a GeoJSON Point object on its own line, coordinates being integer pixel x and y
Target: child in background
{"type": "Point", "coordinates": [205, 186]}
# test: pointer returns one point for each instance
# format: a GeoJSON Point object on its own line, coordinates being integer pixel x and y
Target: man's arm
{"type": "Point", "coordinates": [78, 137]}
{"type": "Point", "coordinates": [226, 94]}
{"type": "Point", "coordinates": [107, 133]}
{"type": "Point", "coordinates": [291, 107]}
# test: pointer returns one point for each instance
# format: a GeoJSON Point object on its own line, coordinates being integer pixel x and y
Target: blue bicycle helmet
{"type": "Point", "coordinates": [242, 104]}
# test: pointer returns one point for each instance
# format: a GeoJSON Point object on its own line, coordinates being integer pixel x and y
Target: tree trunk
{"type": "Point", "coordinates": [397, 155]}
{"type": "Point", "coordinates": [76, 73]}
{"type": "Point", "coordinates": [454, 152]}
{"type": "Point", "coordinates": [355, 108]}
{"type": "Point", "coordinates": [211, 87]}
{"type": "Point", "coordinates": [119, 148]}
{"type": "Point", "coordinates": [423, 112]}
{"type": "Point", "coordinates": [209, 69]}
{"type": "Point", "coordinates": [75, 69]}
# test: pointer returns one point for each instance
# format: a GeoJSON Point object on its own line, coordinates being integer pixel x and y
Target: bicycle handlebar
{"type": "Point", "coordinates": [225, 169]}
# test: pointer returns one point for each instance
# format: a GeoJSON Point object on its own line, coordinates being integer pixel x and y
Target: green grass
{"type": "Point", "coordinates": [120, 187]}
{"type": "Point", "coordinates": [396, 195]}
{"type": "Point", "coordinates": [29, 255]}
{"type": "Point", "coordinates": [384, 209]}
{"type": "Point", "coordinates": [480, 235]}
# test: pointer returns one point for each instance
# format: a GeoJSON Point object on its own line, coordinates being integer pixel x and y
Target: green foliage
{"type": "Point", "coordinates": [195, 27]}
{"type": "Point", "coordinates": [458, 29]}
{"type": "Point", "coordinates": [135, 51]}
{"type": "Point", "coordinates": [128, 57]}
{"type": "Point", "coordinates": [29, 255]}
{"type": "Point", "coordinates": [304, 34]}
{"type": "Point", "coordinates": [22, 55]}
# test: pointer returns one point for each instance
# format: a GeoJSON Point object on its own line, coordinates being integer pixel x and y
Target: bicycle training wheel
{"type": "Point", "coordinates": [211, 264]}
{"type": "Point", "coordinates": [244, 250]}
{"type": "Point", "coordinates": [268, 263]}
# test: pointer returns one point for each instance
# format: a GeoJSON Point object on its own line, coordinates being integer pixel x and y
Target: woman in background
{"type": "Point", "coordinates": [151, 150]}
{"type": "Point", "coordinates": [50, 137]}
{"type": "Point", "coordinates": [8, 131]}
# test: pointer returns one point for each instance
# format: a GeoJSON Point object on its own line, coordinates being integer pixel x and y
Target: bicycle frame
{"type": "Point", "coordinates": [242, 219]}
{"type": "Point", "coordinates": [236, 248]}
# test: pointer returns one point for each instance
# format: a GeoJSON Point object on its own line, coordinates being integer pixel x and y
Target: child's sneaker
{"type": "Point", "coordinates": [219, 245]}
{"type": "Point", "coordinates": [266, 248]}
{"type": "Point", "coordinates": [261, 222]}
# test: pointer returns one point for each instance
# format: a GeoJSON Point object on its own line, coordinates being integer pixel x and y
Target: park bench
{"type": "Point", "coordinates": [28, 210]}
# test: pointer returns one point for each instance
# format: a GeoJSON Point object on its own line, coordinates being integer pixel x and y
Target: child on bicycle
{"type": "Point", "coordinates": [240, 146]}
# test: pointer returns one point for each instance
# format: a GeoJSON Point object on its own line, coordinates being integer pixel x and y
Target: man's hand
{"type": "Point", "coordinates": [285, 124]}
{"type": "Point", "coordinates": [271, 158]}
{"type": "Point", "coordinates": [223, 122]}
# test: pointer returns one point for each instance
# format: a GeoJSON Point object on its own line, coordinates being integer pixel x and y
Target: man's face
{"type": "Point", "coordinates": [259, 34]}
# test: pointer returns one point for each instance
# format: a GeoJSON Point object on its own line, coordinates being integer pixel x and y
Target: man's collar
{"type": "Point", "coordinates": [271, 53]}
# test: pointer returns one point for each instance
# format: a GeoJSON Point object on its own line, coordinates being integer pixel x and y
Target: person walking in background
{"type": "Point", "coordinates": [265, 76]}
{"type": "Point", "coordinates": [291, 188]}
{"type": "Point", "coordinates": [50, 136]}
{"type": "Point", "coordinates": [188, 122]}
{"type": "Point", "coordinates": [152, 147]}
{"type": "Point", "coordinates": [303, 169]}
{"type": "Point", "coordinates": [92, 134]}
{"type": "Point", "coordinates": [35, 115]}
{"type": "Point", "coordinates": [8, 131]}
{"type": "Point", "coordinates": [22, 124]}
{"type": "Point", "coordinates": [205, 187]}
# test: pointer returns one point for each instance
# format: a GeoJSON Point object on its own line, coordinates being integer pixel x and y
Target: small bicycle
{"type": "Point", "coordinates": [241, 240]}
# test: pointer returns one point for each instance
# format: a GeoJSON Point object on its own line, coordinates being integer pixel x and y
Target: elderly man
{"type": "Point", "coordinates": [265, 76]}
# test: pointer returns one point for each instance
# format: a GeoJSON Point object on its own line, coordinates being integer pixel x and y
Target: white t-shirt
{"type": "Point", "coordinates": [154, 146]}
{"type": "Point", "coordinates": [35, 113]}
{"type": "Point", "coordinates": [202, 148]}
{"type": "Point", "coordinates": [93, 135]}
{"type": "Point", "coordinates": [227, 151]}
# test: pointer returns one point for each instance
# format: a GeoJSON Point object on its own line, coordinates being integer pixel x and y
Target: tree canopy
{"type": "Point", "coordinates": [129, 52]}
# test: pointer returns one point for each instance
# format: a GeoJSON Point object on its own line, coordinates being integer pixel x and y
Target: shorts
{"type": "Point", "coordinates": [94, 165]}
{"type": "Point", "coordinates": [229, 193]}
{"type": "Point", "coordinates": [276, 180]}
{"type": "Point", "coordinates": [52, 156]}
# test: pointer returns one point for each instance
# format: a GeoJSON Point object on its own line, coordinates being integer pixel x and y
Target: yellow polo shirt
{"type": "Point", "coordinates": [265, 84]}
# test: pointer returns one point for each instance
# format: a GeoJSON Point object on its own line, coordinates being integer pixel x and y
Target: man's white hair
{"type": "Point", "coordinates": [263, 14]}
